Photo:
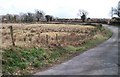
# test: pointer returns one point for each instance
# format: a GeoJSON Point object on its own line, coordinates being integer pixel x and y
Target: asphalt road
{"type": "Point", "coordinates": [101, 60]}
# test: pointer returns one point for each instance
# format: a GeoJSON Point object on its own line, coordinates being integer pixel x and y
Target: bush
{"type": "Point", "coordinates": [99, 26]}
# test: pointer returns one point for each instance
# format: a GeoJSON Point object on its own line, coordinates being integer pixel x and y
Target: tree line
{"type": "Point", "coordinates": [38, 16]}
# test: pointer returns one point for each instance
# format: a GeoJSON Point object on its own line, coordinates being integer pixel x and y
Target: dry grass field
{"type": "Point", "coordinates": [39, 46]}
{"type": "Point", "coordinates": [37, 35]}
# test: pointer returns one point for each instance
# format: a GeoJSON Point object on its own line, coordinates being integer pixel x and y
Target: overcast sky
{"type": "Point", "coordinates": [59, 8]}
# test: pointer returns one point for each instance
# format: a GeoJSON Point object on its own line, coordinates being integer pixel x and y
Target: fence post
{"type": "Point", "coordinates": [46, 39]}
{"type": "Point", "coordinates": [11, 32]}
{"type": "Point", "coordinates": [57, 38]}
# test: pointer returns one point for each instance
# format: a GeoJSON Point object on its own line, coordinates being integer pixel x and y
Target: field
{"type": "Point", "coordinates": [47, 34]}
{"type": "Point", "coordinates": [38, 46]}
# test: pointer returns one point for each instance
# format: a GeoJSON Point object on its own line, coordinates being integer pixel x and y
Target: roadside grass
{"type": "Point", "coordinates": [117, 25]}
{"type": "Point", "coordinates": [27, 61]}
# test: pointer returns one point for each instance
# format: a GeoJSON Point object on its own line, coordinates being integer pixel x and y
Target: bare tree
{"type": "Point", "coordinates": [83, 14]}
{"type": "Point", "coordinates": [23, 17]}
{"type": "Point", "coordinates": [3, 18]}
{"type": "Point", "coordinates": [39, 15]}
{"type": "Point", "coordinates": [116, 11]}
{"type": "Point", "coordinates": [15, 18]}
{"type": "Point", "coordinates": [49, 18]}
{"type": "Point", "coordinates": [9, 17]}
{"type": "Point", "coordinates": [29, 17]}
{"type": "Point", "coordinates": [119, 8]}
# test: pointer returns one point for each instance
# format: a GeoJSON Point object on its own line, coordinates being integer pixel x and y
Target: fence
{"type": "Point", "coordinates": [26, 37]}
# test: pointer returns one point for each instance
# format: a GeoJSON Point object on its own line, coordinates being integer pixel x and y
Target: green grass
{"type": "Point", "coordinates": [18, 59]}
{"type": "Point", "coordinates": [12, 61]}
{"type": "Point", "coordinates": [117, 25]}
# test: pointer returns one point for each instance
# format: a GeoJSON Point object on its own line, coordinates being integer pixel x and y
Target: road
{"type": "Point", "coordinates": [101, 60]}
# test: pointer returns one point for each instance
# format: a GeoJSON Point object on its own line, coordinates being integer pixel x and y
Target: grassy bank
{"type": "Point", "coordinates": [117, 25]}
{"type": "Point", "coordinates": [18, 60]}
